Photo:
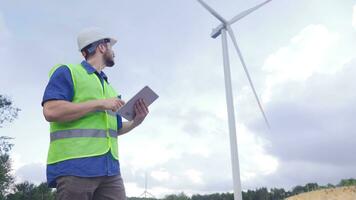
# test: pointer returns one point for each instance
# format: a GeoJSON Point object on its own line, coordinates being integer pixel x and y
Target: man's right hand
{"type": "Point", "coordinates": [113, 104]}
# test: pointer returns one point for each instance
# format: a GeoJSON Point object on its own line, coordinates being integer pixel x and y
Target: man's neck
{"type": "Point", "coordinates": [98, 66]}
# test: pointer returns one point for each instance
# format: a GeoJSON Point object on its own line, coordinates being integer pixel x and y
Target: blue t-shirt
{"type": "Point", "coordinates": [60, 87]}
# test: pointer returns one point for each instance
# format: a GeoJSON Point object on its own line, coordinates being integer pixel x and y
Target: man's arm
{"type": "Point", "coordinates": [63, 111]}
{"type": "Point", "coordinates": [141, 112]}
{"type": "Point", "coordinates": [126, 127]}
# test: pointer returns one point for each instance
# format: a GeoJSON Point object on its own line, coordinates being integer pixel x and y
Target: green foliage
{"type": "Point", "coordinates": [43, 192]}
{"type": "Point", "coordinates": [347, 182]}
{"type": "Point", "coordinates": [22, 191]}
{"type": "Point", "coordinates": [216, 196]}
{"type": "Point", "coordinates": [7, 114]}
{"type": "Point", "coordinates": [180, 196]}
{"type": "Point", "coordinates": [28, 191]}
{"type": "Point", "coordinates": [276, 193]}
{"type": "Point", "coordinates": [262, 194]}
{"type": "Point", "coordinates": [297, 190]}
{"type": "Point", "coordinates": [6, 178]}
{"type": "Point", "coordinates": [7, 111]}
{"type": "Point", "coordinates": [311, 187]}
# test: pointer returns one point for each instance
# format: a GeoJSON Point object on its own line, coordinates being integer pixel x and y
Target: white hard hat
{"type": "Point", "coordinates": [90, 35]}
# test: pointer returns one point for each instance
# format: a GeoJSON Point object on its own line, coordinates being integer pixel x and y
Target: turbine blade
{"type": "Point", "coordinates": [212, 11]}
{"type": "Point", "coordinates": [232, 35]}
{"type": "Point", "coordinates": [246, 12]}
{"type": "Point", "coordinates": [151, 194]}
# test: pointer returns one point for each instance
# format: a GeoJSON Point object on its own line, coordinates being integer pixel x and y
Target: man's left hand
{"type": "Point", "coordinates": [141, 111]}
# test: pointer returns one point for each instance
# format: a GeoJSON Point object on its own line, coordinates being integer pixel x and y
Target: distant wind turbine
{"type": "Point", "coordinates": [146, 193]}
{"type": "Point", "coordinates": [221, 30]}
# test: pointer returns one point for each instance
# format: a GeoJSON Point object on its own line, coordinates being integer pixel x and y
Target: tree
{"type": "Point", "coordinates": [7, 114]}
{"type": "Point", "coordinates": [22, 191]}
{"type": "Point", "coordinates": [180, 196]}
{"type": "Point", "coordinates": [311, 187]}
{"type": "Point", "coordinates": [249, 195]}
{"type": "Point", "coordinates": [28, 191]}
{"type": "Point", "coordinates": [6, 178]}
{"type": "Point", "coordinates": [262, 194]}
{"type": "Point", "coordinates": [7, 111]}
{"type": "Point", "coordinates": [43, 192]}
{"type": "Point", "coordinates": [347, 182]}
{"type": "Point", "coordinates": [277, 194]}
{"type": "Point", "coordinates": [297, 190]}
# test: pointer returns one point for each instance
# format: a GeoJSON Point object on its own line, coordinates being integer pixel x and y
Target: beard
{"type": "Point", "coordinates": [109, 59]}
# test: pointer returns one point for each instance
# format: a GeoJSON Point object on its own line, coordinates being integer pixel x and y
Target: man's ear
{"type": "Point", "coordinates": [84, 54]}
{"type": "Point", "coordinates": [102, 48]}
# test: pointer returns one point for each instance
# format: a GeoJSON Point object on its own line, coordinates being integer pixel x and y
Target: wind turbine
{"type": "Point", "coordinates": [224, 27]}
{"type": "Point", "coordinates": [146, 193]}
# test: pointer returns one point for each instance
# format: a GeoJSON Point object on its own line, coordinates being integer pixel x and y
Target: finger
{"type": "Point", "coordinates": [137, 112]}
{"type": "Point", "coordinates": [121, 104]}
{"type": "Point", "coordinates": [118, 103]}
{"type": "Point", "coordinates": [145, 107]}
{"type": "Point", "coordinates": [115, 109]}
{"type": "Point", "coordinates": [142, 110]}
{"type": "Point", "coordinates": [139, 108]}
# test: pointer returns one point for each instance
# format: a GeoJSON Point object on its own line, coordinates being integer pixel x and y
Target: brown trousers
{"type": "Point", "coordinates": [92, 188]}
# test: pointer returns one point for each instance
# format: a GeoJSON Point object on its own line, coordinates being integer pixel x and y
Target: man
{"type": "Point", "coordinates": [81, 106]}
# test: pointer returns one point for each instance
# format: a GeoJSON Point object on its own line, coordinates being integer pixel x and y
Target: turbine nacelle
{"type": "Point", "coordinates": [217, 31]}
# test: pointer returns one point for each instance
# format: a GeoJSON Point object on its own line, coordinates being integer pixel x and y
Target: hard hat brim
{"type": "Point", "coordinates": [112, 41]}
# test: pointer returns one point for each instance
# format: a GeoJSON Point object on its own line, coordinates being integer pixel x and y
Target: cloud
{"type": "Point", "coordinates": [5, 37]}
{"type": "Point", "coordinates": [313, 126]}
{"type": "Point", "coordinates": [306, 54]}
{"type": "Point", "coordinates": [161, 175]}
{"type": "Point", "coordinates": [324, 108]}
{"type": "Point", "coordinates": [354, 17]}
{"type": "Point", "coordinates": [34, 172]}
{"type": "Point", "coordinates": [309, 99]}
{"type": "Point", "coordinates": [4, 30]}
{"type": "Point", "coordinates": [193, 163]}
{"type": "Point", "coordinates": [293, 173]}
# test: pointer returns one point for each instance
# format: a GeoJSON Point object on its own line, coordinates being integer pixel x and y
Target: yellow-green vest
{"type": "Point", "coordinates": [93, 134]}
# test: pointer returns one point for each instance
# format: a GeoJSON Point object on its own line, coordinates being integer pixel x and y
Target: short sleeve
{"type": "Point", "coordinates": [60, 86]}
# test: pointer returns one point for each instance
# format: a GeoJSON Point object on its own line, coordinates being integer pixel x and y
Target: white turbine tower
{"type": "Point", "coordinates": [221, 30]}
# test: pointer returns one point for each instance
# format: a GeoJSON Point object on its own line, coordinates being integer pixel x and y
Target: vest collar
{"type": "Point", "coordinates": [90, 69]}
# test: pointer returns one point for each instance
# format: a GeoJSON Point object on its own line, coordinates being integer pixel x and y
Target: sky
{"type": "Point", "coordinates": [299, 53]}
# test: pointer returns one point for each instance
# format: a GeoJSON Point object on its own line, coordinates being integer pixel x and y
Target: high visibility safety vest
{"type": "Point", "coordinates": [93, 134]}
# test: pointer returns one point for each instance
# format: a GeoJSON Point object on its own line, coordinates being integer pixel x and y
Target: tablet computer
{"type": "Point", "coordinates": [128, 110]}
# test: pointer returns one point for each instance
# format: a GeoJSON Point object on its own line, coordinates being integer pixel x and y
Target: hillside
{"type": "Point", "coordinates": [340, 193]}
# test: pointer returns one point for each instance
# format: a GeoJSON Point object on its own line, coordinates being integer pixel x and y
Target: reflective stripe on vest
{"type": "Point", "coordinates": [74, 133]}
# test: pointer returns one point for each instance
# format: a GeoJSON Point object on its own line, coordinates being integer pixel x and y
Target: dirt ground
{"type": "Point", "coordinates": [342, 193]}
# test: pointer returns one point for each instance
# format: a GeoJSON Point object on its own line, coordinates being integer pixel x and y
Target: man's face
{"type": "Point", "coordinates": [109, 56]}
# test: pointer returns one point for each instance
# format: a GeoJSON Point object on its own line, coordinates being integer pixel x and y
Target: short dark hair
{"type": "Point", "coordinates": [89, 50]}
